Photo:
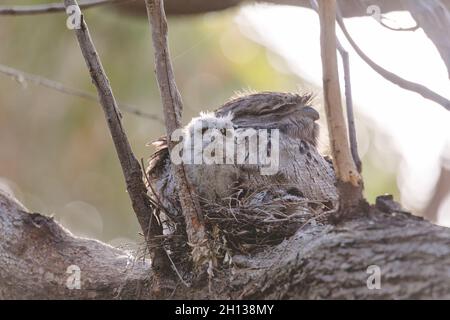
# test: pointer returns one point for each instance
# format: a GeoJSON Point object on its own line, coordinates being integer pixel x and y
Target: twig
{"type": "Point", "coordinates": [51, 7]}
{"type": "Point", "coordinates": [22, 76]}
{"type": "Point", "coordinates": [132, 171]}
{"type": "Point", "coordinates": [392, 77]}
{"type": "Point", "coordinates": [176, 271]}
{"type": "Point", "coordinates": [172, 107]}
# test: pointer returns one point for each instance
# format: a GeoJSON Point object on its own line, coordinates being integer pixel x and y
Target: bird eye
{"type": "Point", "coordinates": [223, 131]}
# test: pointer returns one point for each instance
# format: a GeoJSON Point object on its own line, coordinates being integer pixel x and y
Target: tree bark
{"type": "Point", "coordinates": [36, 252]}
{"type": "Point", "coordinates": [319, 261]}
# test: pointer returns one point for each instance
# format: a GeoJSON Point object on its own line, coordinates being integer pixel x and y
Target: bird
{"type": "Point", "coordinates": [301, 172]}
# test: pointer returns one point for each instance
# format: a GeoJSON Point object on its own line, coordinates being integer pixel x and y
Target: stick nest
{"type": "Point", "coordinates": [244, 223]}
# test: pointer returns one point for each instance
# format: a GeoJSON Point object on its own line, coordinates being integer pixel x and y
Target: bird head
{"type": "Point", "coordinates": [291, 113]}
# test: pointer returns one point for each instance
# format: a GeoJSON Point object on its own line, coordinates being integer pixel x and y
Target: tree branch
{"type": "Point", "coordinates": [172, 107]}
{"type": "Point", "coordinates": [131, 169]}
{"type": "Point", "coordinates": [349, 107]}
{"type": "Point", "coordinates": [413, 256]}
{"type": "Point", "coordinates": [22, 77]}
{"type": "Point", "coordinates": [348, 98]}
{"type": "Point", "coordinates": [349, 180]}
{"type": "Point", "coordinates": [36, 253]}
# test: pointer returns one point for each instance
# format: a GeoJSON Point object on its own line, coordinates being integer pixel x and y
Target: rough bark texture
{"type": "Point", "coordinates": [35, 253]}
{"type": "Point", "coordinates": [319, 261]}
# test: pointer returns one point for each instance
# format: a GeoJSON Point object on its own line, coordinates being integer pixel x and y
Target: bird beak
{"type": "Point", "coordinates": [311, 113]}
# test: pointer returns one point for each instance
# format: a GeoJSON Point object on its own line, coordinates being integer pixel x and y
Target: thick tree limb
{"type": "Point", "coordinates": [172, 107]}
{"type": "Point", "coordinates": [319, 261]}
{"type": "Point", "coordinates": [349, 180]}
{"type": "Point", "coordinates": [131, 168]}
{"type": "Point", "coordinates": [36, 252]}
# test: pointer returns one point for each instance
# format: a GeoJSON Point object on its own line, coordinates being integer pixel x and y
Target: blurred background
{"type": "Point", "coordinates": [56, 155]}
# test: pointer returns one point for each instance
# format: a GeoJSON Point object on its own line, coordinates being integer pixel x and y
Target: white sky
{"type": "Point", "coordinates": [418, 129]}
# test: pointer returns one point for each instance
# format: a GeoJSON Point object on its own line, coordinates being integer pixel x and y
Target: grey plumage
{"type": "Point", "coordinates": [303, 175]}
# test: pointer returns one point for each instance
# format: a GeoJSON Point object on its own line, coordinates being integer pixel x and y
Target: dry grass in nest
{"type": "Point", "coordinates": [242, 225]}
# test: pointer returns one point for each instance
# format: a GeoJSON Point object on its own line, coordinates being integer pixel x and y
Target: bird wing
{"type": "Point", "coordinates": [156, 163]}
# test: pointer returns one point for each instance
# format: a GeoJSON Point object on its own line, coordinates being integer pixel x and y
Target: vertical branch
{"type": "Point", "coordinates": [348, 98]}
{"type": "Point", "coordinates": [132, 171]}
{"type": "Point", "coordinates": [172, 107]}
{"type": "Point", "coordinates": [349, 180]}
{"type": "Point", "coordinates": [349, 107]}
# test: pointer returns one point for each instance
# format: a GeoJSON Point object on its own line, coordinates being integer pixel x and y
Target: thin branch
{"type": "Point", "coordinates": [22, 76]}
{"type": "Point", "coordinates": [349, 107]}
{"type": "Point", "coordinates": [392, 77]}
{"type": "Point", "coordinates": [51, 7]}
{"type": "Point", "coordinates": [172, 107]}
{"type": "Point", "coordinates": [132, 171]}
